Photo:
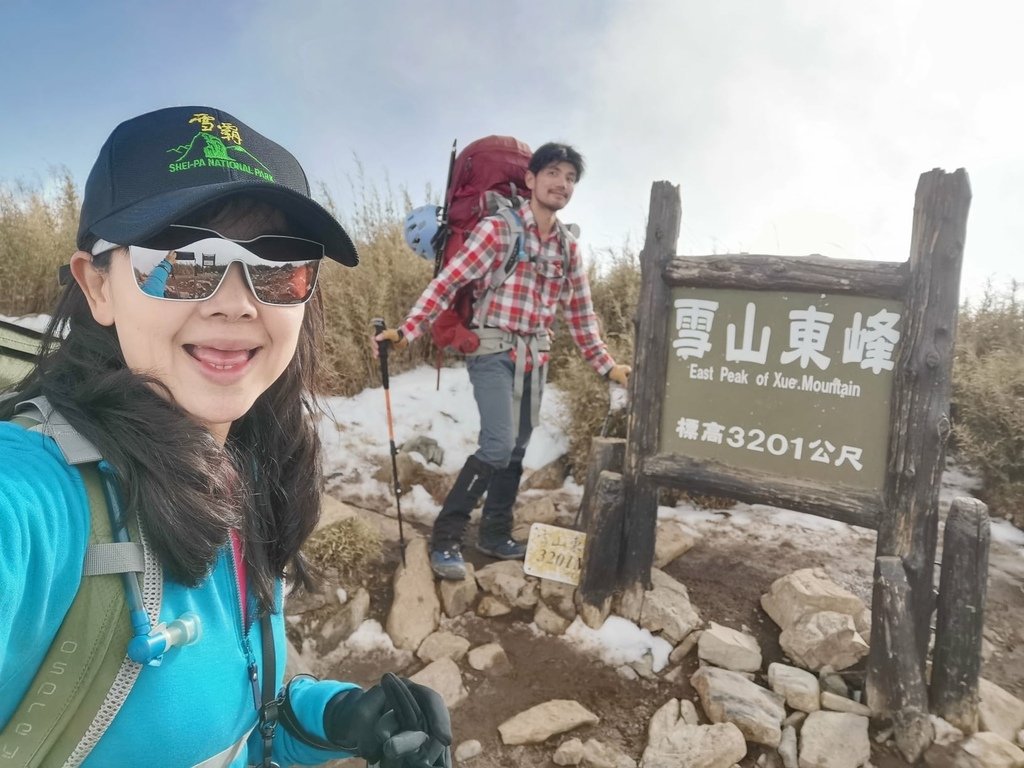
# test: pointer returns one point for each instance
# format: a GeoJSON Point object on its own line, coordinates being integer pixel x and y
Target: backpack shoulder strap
{"type": "Point", "coordinates": [515, 254]}
{"type": "Point", "coordinates": [85, 675]}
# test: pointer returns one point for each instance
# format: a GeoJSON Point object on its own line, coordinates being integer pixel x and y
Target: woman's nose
{"type": "Point", "coordinates": [233, 297]}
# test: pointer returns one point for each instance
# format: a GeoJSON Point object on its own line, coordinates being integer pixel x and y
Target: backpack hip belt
{"type": "Point", "coordinates": [526, 346]}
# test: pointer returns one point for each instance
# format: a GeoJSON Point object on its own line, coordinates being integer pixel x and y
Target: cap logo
{"type": "Point", "coordinates": [216, 145]}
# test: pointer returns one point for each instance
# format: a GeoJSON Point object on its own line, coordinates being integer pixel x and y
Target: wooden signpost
{"type": "Point", "coordinates": [813, 384]}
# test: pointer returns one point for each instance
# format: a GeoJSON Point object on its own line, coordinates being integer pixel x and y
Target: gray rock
{"type": "Point", "coordinates": [787, 748]}
{"type": "Point", "coordinates": [730, 697]}
{"type": "Point", "coordinates": [457, 597]}
{"type": "Point", "coordinates": [989, 750]}
{"type": "Point", "coordinates": [671, 541]}
{"type": "Point", "coordinates": [444, 677]}
{"type": "Point", "coordinates": [999, 711]}
{"type": "Point", "coordinates": [682, 650]}
{"type": "Point", "coordinates": [799, 687]}
{"type": "Point", "coordinates": [549, 477]}
{"type": "Point", "coordinates": [825, 638]}
{"type": "Point", "coordinates": [539, 723]}
{"type": "Point", "coordinates": [834, 740]}
{"type": "Point", "coordinates": [809, 591]}
{"type": "Point", "coordinates": [345, 620]}
{"type": "Point", "coordinates": [834, 703]}
{"type": "Point", "coordinates": [542, 510]}
{"type": "Point", "coordinates": [696, 746]}
{"type": "Point", "coordinates": [427, 447]}
{"type": "Point", "coordinates": [467, 750]}
{"type": "Point", "coordinates": [558, 597]}
{"type": "Point", "coordinates": [725, 647]}
{"type": "Point", "coordinates": [442, 645]}
{"type": "Point", "coordinates": [667, 609]}
{"type": "Point", "coordinates": [549, 621]}
{"type": "Point", "coordinates": [415, 611]}
{"type": "Point", "coordinates": [569, 752]}
{"type": "Point", "coordinates": [597, 754]}
{"type": "Point", "coordinates": [490, 658]}
{"type": "Point", "coordinates": [490, 606]}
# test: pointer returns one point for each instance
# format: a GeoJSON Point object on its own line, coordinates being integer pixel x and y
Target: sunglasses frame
{"type": "Point", "coordinates": [103, 246]}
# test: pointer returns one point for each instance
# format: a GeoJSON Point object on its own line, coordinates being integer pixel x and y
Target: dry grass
{"type": "Point", "coordinates": [346, 547]}
{"type": "Point", "coordinates": [988, 396]}
{"type": "Point", "coordinates": [38, 224]}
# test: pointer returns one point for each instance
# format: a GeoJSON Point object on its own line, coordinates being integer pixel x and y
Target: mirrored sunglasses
{"type": "Point", "coordinates": [185, 263]}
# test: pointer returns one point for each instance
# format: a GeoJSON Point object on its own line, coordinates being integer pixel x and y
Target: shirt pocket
{"type": "Point", "coordinates": [550, 279]}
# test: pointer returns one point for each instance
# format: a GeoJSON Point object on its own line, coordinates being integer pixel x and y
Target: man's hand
{"type": "Point", "coordinates": [620, 375]}
{"type": "Point", "coordinates": [391, 336]}
{"type": "Point", "coordinates": [396, 724]}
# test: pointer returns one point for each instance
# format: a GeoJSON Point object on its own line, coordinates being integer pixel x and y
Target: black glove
{"type": "Point", "coordinates": [396, 724]}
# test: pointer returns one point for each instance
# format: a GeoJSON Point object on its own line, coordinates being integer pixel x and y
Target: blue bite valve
{"type": "Point", "coordinates": [149, 649]}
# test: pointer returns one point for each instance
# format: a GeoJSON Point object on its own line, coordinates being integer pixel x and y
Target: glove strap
{"type": "Point", "coordinates": [291, 721]}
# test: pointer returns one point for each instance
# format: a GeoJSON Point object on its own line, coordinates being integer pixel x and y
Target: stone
{"type": "Point", "coordinates": [594, 616]}
{"type": "Point", "coordinates": [549, 621]}
{"type": "Point", "coordinates": [490, 658]}
{"type": "Point", "coordinates": [834, 740]}
{"type": "Point", "coordinates": [999, 711]}
{"type": "Point", "coordinates": [725, 647]}
{"type": "Point", "coordinates": [826, 638]}
{"type": "Point", "coordinates": [682, 650]}
{"type": "Point", "coordinates": [457, 597]}
{"type": "Point", "coordinates": [427, 447]}
{"type": "Point", "coordinates": [415, 610]}
{"type": "Point", "coordinates": [829, 680]}
{"type": "Point", "coordinates": [550, 477]}
{"type": "Point", "coordinates": [444, 677]}
{"type": "Point", "coordinates": [558, 597]}
{"type": "Point", "coordinates": [798, 686]}
{"type": "Point", "coordinates": [539, 723]}
{"type": "Point", "coordinates": [345, 620]}
{"type": "Point", "coordinates": [442, 645]}
{"type": "Point", "coordinates": [490, 606]}
{"type": "Point", "coordinates": [504, 580]}
{"type": "Point", "coordinates": [542, 510]}
{"type": "Point", "coordinates": [834, 703]}
{"type": "Point", "coordinates": [728, 696]}
{"type": "Point", "coordinates": [467, 750]}
{"type": "Point", "coordinates": [597, 754]}
{"type": "Point", "coordinates": [989, 750]}
{"type": "Point", "coordinates": [808, 591]}
{"type": "Point", "coordinates": [667, 609]}
{"type": "Point", "coordinates": [528, 596]}
{"type": "Point", "coordinates": [787, 748]}
{"type": "Point", "coordinates": [671, 541]}
{"type": "Point", "coordinates": [696, 746]}
{"type": "Point", "coordinates": [569, 752]}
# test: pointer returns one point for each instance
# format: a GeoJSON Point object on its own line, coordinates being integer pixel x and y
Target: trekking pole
{"type": "Point", "coordinates": [378, 328]}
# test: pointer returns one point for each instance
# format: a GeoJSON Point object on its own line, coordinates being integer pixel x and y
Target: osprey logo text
{"type": "Point", "coordinates": [216, 145]}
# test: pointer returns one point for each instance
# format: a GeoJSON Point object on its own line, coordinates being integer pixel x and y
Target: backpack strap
{"type": "Point", "coordinates": [85, 676]}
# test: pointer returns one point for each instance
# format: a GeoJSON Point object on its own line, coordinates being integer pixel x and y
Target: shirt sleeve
{"type": "Point", "coordinates": [308, 699]}
{"type": "Point", "coordinates": [476, 258]}
{"type": "Point", "coordinates": [579, 314]}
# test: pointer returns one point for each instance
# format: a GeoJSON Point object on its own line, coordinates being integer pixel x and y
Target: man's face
{"type": "Point", "coordinates": [553, 186]}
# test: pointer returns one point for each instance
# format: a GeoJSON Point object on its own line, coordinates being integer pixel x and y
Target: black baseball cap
{"type": "Point", "coordinates": [157, 168]}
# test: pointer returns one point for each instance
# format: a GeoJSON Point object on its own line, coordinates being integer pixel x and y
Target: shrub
{"type": "Point", "coordinates": [37, 235]}
{"type": "Point", "coordinates": [988, 397]}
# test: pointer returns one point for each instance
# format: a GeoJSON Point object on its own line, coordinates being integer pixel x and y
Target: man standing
{"type": "Point", "coordinates": [508, 370]}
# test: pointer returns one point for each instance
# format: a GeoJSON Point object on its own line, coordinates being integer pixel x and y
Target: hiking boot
{"type": "Point", "coordinates": [503, 550]}
{"type": "Point", "coordinates": [448, 564]}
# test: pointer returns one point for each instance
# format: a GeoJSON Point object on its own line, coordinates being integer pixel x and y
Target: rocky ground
{"type": "Point", "coordinates": [508, 651]}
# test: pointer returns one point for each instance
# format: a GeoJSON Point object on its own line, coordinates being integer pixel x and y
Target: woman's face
{"type": "Point", "coordinates": [215, 357]}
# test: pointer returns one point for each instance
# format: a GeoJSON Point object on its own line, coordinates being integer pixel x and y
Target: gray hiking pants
{"type": "Point", "coordinates": [492, 377]}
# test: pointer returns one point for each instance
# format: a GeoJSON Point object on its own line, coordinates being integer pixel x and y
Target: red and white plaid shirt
{"type": "Point", "coordinates": [527, 302]}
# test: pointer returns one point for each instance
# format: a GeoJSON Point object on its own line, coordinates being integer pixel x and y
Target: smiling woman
{"type": "Point", "coordinates": [182, 358]}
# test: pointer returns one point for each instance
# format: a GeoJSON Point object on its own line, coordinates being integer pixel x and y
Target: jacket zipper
{"type": "Point", "coordinates": [250, 657]}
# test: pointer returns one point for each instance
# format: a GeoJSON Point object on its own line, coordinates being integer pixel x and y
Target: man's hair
{"type": "Point", "coordinates": [553, 152]}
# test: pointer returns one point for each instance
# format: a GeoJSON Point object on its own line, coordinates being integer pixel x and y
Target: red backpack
{"type": "Point", "coordinates": [487, 178]}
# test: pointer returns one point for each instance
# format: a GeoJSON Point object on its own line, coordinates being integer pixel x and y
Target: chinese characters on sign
{"type": "Point", "coordinates": [790, 383]}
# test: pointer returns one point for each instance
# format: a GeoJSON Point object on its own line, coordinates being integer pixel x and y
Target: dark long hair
{"type": "Point", "coordinates": [188, 490]}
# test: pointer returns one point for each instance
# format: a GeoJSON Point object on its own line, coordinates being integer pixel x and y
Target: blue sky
{"type": "Point", "coordinates": [791, 126]}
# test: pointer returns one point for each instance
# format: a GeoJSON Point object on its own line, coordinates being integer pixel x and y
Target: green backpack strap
{"type": "Point", "coordinates": [82, 664]}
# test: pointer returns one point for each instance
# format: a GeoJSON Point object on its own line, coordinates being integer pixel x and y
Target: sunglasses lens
{"type": "Point", "coordinates": [281, 270]}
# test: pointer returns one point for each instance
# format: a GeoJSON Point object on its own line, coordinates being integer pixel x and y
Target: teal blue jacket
{"type": "Point", "coordinates": [199, 701]}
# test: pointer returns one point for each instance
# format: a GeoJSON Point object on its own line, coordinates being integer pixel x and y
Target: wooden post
{"type": "Point", "coordinates": [605, 453]}
{"type": "Point", "coordinates": [961, 614]}
{"type": "Point", "coordinates": [903, 695]}
{"type": "Point", "coordinates": [598, 579]}
{"type": "Point", "coordinates": [647, 385]}
{"type": "Point", "coordinates": [920, 407]}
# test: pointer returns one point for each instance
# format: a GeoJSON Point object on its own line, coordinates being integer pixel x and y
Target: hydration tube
{"type": "Point", "coordinates": [148, 643]}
